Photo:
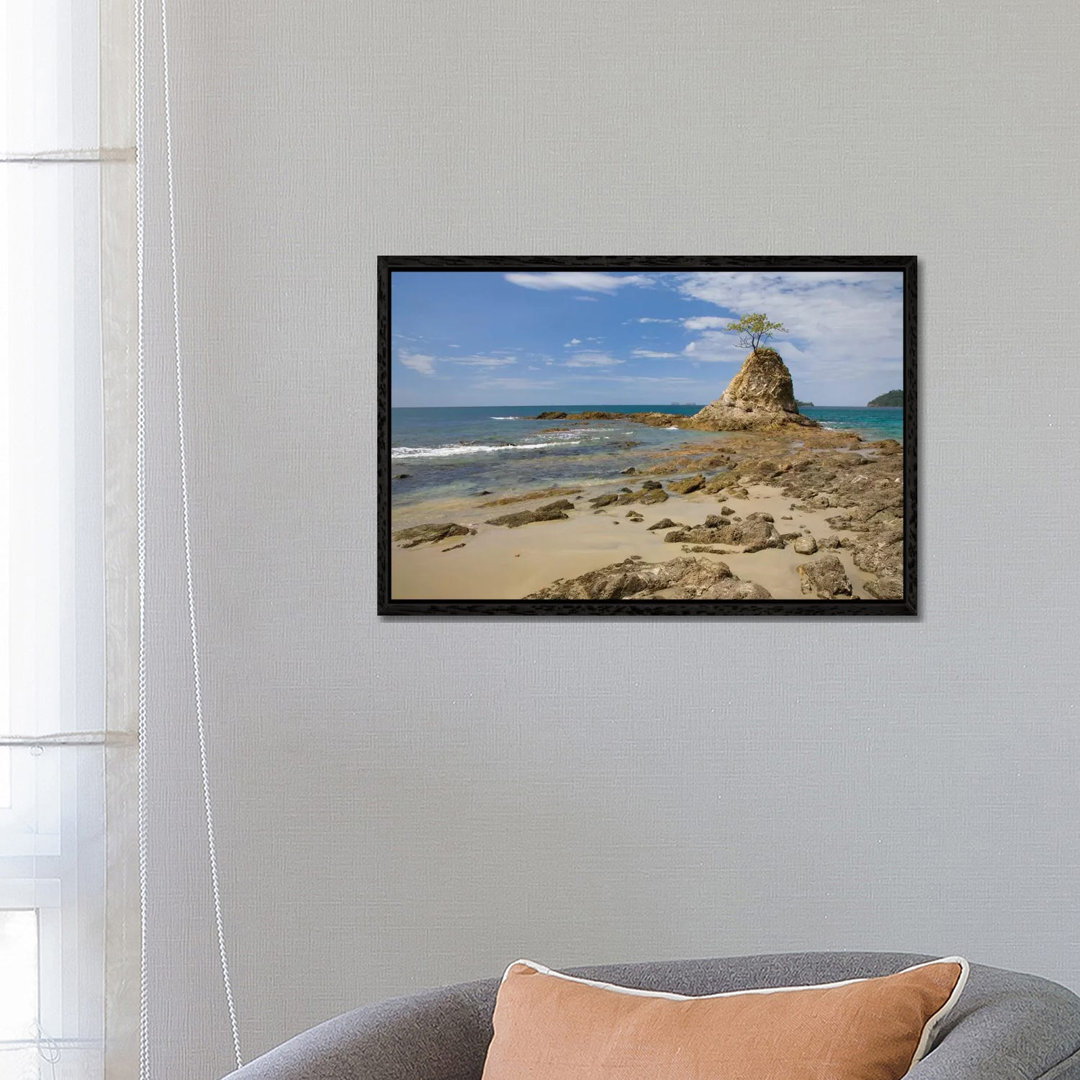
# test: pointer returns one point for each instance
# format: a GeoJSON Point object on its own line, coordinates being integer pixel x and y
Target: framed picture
{"type": "Point", "coordinates": [647, 436]}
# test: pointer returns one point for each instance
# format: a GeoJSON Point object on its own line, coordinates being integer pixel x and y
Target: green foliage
{"type": "Point", "coordinates": [891, 399]}
{"type": "Point", "coordinates": [754, 329]}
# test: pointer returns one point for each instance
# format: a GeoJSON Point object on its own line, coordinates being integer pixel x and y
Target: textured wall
{"type": "Point", "coordinates": [409, 803]}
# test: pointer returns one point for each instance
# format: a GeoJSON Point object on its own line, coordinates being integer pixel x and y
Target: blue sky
{"type": "Point", "coordinates": [600, 338]}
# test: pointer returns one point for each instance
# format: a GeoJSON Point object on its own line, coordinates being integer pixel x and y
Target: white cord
{"type": "Point", "coordinates": [207, 803]}
{"type": "Point", "coordinates": [140, 454]}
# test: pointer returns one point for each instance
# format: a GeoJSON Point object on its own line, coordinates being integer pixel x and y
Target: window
{"type": "Point", "coordinates": [52, 851]}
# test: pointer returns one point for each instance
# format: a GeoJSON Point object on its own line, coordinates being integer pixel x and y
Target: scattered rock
{"type": "Point", "coordinates": [629, 472]}
{"type": "Point", "coordinates": [430, 533]}
{"type": "Point", "coordinates": [550, 416]}
{"type": "Point", "coordinates": [685, 487]}
{"type": "Point", "coordinates": [756, 533]}
{"type": "Point", "coordinates": [527, 517]}
{"type": "Point", "coordinates": [663, 523]}
{"type": "Point", "coordinates": [402, 476]}
{"type": "Point", "coordinates": [633, 515]}
{"type": "Point", "coordinates": [683, 578]}
{"type": "Point", "coordinates": [728, 510]}
{"type": "Point", "coordinates": [887, 446]}
{"type": "Point", "coordinates": [454, 548]}
{"type": "Point", "coordinates": [829, 542]}
{"type": "Point", "coordinates": [653, 495]}
{"type": "Point", "coordinates": [603, 500]}
{"type": "Point", "coordinates": [886, 588]}
{"type": "Point", "coordinates": [825, 578]}
{"type": "Point", "coordinates": [544, 493]}
{"type": "Point", "coordinates": [559, 504]}
{"type": "Point", "coordinates": [652, 485]}
{"type": "Point", "coordinates": [805, 545]}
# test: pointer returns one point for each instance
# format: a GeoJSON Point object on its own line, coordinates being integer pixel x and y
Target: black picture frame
{"type": "Point", "coordinates": [387, 605]}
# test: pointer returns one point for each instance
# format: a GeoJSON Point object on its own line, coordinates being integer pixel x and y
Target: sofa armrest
{"type": "Point", "coordinates": [441, 1034]}
{"type": "Point", "coordinates": [1007, 1026]}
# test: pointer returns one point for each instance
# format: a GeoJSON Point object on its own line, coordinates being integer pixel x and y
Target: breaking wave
{"type": "Point", "coordinates": [454, 451]}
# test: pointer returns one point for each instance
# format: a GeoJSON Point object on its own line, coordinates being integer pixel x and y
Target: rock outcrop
{"type": "Point", "coordinates": [760, 397]}
{"type": "Point", "coordinates": [551, 512]}
{"type": "Point", "coordinates": [684, 578]}
{"type": "Point", "coordinates": [651, 492]}
{"type": "Point", "coordinates": [756, 533]}
{"type": "Point", "coordinates": [430, 533]}
{"type": "Point", "coordinates": [685, 487]}
{"type": "Point", "coordinates": [825, 578]}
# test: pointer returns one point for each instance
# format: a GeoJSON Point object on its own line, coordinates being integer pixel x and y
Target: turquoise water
{"type": "Point", "coordinates": [871, 424]}
{"type": "Point", "coordinates": [466, 451]}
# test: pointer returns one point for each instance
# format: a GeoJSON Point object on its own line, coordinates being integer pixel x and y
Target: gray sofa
{"type": "Point", "coordinates": [1006, 1026]}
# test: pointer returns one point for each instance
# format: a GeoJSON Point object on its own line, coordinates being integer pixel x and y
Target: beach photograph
{"type": "Point", "coordinates": [701, 441]}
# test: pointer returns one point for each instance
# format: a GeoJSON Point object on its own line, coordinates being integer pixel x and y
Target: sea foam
{"type": "Point", "coordinates": [453, 451]}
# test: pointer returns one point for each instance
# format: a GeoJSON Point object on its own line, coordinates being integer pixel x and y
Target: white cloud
{"type": "Point", "coordinates": [427, 365]}
{"type": "Point", "coordinates": [418, 362]}
{"type": "Point", "coordinates": [647, 319]}
{"type": "Point", "coordinates": [844, 328]}
{"type": "Point", "coordinates": [586, 299]}
{"type": "Point", "coordinates": [572, 341]}
{"type": "Point", "coordinates": [592, 359]}
{"type": "Point", "coordinates": [577, 279]}
{"type": "Point", "coordinates": [665, 380]}
{"type": "Point", "coordinates": [481, 361]}
{"type": "Point", "coordinates": [650, 355]}
{"type": "Point", "coordinates": [714, 347]}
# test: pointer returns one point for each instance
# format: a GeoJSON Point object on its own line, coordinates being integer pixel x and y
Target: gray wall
{"type": "Point", "coordinates": [402, 804]}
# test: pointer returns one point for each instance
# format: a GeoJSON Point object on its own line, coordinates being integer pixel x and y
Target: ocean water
{"type": "Point", "coordinates": [871, 424]}
{"type": "Point", "coordinates": [466, 451]}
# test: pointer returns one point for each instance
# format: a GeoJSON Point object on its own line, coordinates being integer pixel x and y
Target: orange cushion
{"type": "Point", "coordinates": [550, 1026]}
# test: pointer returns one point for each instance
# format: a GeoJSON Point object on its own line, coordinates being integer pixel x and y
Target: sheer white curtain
{"type": "Point", "coordinates": [54, 202]}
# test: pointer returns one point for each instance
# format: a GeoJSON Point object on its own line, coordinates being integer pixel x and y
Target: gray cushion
{"type": "Point", "coordinates": [1006, 1026]}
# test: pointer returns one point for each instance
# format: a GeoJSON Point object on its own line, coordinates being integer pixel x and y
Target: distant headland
{"type": "Point", "coordinates": [894, 399]}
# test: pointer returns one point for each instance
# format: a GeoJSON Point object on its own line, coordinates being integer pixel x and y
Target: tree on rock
{"type": "Point", "coordinates": [755, 329]}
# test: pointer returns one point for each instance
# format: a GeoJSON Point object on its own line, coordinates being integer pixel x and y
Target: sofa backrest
{"type": "Point", "coordinates": [1006, 1026]}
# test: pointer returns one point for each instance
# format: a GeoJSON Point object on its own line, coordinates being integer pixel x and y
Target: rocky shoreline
{"type": "Point", "coordinates": [853, 488]}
